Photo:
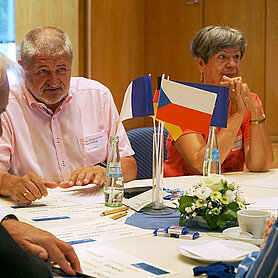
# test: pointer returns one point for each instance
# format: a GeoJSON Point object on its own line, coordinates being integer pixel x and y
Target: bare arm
{"type": "Point", "coordinates": [258, 150]}
{"type": "Point", "coordinates": [129, 168]}
{"type": "Point", "coordinates": [192, 147]}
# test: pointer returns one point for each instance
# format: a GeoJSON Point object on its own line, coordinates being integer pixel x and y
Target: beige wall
{"type": "Point", "coordinates": [271, 70]}
{"type": "Point", "coordinates": [63, 14]}
{"type": "Point", "coordinates": [130, 38]}
{"type": "Point", "coordinates": [117, 46]}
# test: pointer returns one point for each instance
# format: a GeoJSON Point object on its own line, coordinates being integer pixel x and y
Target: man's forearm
{"type": "Point", "coordinates": [6, 181]}
{"type": "Point", "coordinates": [129, 168]}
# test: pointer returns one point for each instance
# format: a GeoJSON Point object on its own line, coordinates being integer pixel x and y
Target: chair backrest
{"type": "Point", "coordinates": [141, 140]}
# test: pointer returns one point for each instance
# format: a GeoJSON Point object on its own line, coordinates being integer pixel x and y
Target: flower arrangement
{"type": "Point", "coordinates": [214, 199]}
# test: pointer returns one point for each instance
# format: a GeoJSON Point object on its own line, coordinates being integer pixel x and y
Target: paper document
{"type": "Point", "coordinates": [139, 201]}
{"type": "Point", "coordinates": [59, 212]}
{"type": "Point", "coordinates": [269, 204]}
{"type": "Point", "coordinates": [262, 179]}
{"type": "Point", "coordinates": [110, 263]}
{"type": "Point", "coordinates": [145, 198]}
{"type": "Point", "coordinates": [82, 195]}
{"type": "Point", "coordinates": [62, 204]}
{"type": "Point", "coordinates": [100, 230]}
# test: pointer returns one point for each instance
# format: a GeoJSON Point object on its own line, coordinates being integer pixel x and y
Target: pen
{"type": "Point", "coordinates": [61, 273]}
{"type": "Point", "coordinates": [119, 215]}
{"type": "Point", "coordinates": [111, 211]}
{"type": "Point", "coordinates": [29, 206]}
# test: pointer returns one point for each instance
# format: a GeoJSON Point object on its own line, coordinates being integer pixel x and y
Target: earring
{"type": "Point", "coordinates": [202, 78]}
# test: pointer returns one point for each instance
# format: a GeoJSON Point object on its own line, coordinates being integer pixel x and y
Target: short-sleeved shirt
{"type": "Point", "coordinates": [175, 165]}
{"type": "Point", "coordinates": [53, 145]}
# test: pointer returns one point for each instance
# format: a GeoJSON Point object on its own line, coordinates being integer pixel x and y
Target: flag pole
{"type": "Point", "coordinates": [158, 164]}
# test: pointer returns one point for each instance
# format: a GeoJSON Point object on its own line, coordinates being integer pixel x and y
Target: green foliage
{"type": "Point", "coordinates": [217, 208]}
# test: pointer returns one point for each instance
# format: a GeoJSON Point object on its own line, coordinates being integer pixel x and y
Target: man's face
{"type": "Point", "coordinates": [4, 96]}
{"type": "Point", "coordinates": [225, 62]}
{"type": "Point", "coordinates": [48, 78]}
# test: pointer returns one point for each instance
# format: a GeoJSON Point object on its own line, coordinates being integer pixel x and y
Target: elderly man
{"type": "Point", "coordinates": [18, 262]}
{"type": "Point", "coordinates": [56, 128]}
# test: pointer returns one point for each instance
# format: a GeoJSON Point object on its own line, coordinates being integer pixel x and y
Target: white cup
{"type": "Point", "coordinates": [253, 221]}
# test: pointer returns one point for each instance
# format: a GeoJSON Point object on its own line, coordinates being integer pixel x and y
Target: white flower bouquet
{"type": "Point", "coordinates": [214, 199]}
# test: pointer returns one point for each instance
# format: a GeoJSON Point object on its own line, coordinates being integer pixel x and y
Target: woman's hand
{"type": "Point", "coordinates": [235, 96]}
{"type": "Point", "coordinates": [250, 103]}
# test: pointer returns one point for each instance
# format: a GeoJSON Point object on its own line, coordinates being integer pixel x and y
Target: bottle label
{"type": "Point", "coordinates": [215, 155]}
{"type": "Point", "coordinates": [206, 154]}
{"type": "Point", "coordinates": [115, 170]}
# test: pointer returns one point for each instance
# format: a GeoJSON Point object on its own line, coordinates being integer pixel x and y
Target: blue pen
{"type": "Point", "coordinates": [50, 218]}
{"type": "Point", "coordinates": [28, 206]}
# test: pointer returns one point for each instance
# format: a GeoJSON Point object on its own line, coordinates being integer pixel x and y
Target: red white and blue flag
{"type": "Point", "coordinates": [220, 112]}
{"type": "Point", "coordinates": [185, 106]}
{"type": "Point", "coordinates": [174, 130]}
{"type": "Point", "coordinates": [138, 100]}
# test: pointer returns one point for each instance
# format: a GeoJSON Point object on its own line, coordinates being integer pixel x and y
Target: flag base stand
{"type": "Point", "coordinates": [157, 207]}
{"type": "Point", "coordinates": [150, 210]}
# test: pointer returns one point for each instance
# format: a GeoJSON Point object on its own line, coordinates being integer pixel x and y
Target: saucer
{"type": "Point", "coordinates": [236, 234]}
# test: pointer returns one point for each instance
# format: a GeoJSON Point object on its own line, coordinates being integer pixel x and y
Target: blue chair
{"type": "Point", "coordinates": [141, 140]}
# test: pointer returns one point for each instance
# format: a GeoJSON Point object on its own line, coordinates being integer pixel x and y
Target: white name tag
{"type": "Point", "coordinates": [237, 145]}
{"type": "Point", "coordinates": [94, 141]}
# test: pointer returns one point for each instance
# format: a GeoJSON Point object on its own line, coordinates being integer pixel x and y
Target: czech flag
{"type": "Point", "coordinates": [174, 130]}
{"type": "Point", "coordinates": [138, 100]}
{"type": "Point", "coordinates": [220, 112]}
{"type": "Point", "coordinates": [185, 106]}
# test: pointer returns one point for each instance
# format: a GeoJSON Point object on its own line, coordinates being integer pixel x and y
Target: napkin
{"type": "Point", "coordinates": [214, 250]}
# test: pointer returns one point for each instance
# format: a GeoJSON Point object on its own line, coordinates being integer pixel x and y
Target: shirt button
{"type": "Point", "coordinates": [58, 140]}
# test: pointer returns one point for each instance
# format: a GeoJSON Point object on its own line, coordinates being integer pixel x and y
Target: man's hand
{"type": "Point", "coordinates": [267, 230]}
{"type": "Point", "coordinates": [44, 245]}
{"type": "Point", "coordinates": [85, 175]}
{"type": "Point", "coordinates": [24, 189]}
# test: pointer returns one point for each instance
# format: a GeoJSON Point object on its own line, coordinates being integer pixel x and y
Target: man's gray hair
{"type": "Point", "coordinates": [212, 39]}
{"type": "Point", "coordinates": [47, 40]}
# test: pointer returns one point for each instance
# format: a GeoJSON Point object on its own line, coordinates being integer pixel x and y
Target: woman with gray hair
{"type": "Point", "coordinates": [218, 51]}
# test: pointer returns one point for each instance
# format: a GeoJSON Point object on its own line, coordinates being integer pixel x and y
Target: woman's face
{"type": "Point", "coordinates": [225, 62]}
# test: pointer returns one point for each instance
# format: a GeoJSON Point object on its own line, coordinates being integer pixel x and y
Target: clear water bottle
{"type": "Point", "coordinates": [212, 163]}
{"type": "Point", "coordinates": [113, 182]}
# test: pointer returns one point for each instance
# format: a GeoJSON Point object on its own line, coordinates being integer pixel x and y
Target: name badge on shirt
{"type": "Point", "coordinates": [94, 141]}
{"type": "Point", "coordinates": [237, 145]}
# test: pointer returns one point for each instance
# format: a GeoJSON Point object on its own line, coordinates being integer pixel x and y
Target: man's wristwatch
{"type": "Point", "coordinates": [9, 216]}
{"type": "Point", "coordinates": [102, 164]}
